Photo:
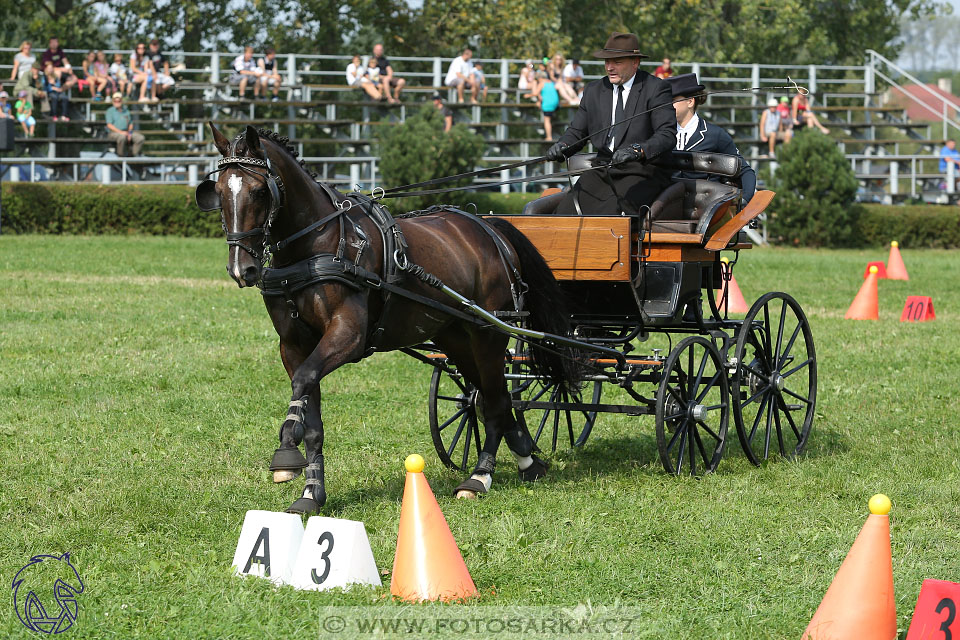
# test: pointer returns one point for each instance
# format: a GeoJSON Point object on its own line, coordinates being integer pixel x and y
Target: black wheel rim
{"type": "Point", "coordinates": [453, 420]}
{"type": "Point", "coordinates": [775, 384]}
{"type": "Point", "coordinates": [693, 408]}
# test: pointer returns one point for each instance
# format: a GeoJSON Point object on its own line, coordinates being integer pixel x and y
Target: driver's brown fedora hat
{"type": "Point", "coordinates": [621, 45]}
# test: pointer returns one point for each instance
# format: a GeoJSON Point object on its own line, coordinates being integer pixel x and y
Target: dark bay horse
{"type": "Point", "coordinates": [345, 279]}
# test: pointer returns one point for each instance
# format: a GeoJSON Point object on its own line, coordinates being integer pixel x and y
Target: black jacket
{"type": "Point", "coordinates": [655, 132]}
{"type": "Point", "coordinates": [709, 138]}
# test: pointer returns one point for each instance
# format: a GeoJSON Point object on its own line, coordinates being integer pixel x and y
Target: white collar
{"type": "Point", "coordinates": [691, 127]}
{"type": "Point", "coordinates": [629, 83]}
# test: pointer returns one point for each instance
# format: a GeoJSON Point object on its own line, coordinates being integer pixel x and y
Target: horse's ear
{"type": "Point", "coordinates": [252, 138]}
{"type": "Point", "coordinates": [221, 142]}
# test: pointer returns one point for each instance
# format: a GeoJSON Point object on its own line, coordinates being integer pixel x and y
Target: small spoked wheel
{"type": "Point", "coordinates": [692, 408]}
{"type": "Point", "coordinates": [774, 386]}
{"type": "Point", "coordinates": [453, 420]}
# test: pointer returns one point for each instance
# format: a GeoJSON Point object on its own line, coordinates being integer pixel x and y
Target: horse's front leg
{"type": "Point", "coordinates": [288, 462]}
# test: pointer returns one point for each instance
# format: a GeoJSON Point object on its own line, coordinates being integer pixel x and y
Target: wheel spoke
{"type": "Point", "coordinates": [676, 395]}
{"type": "Point", "coordinates": [705, 427]}
{"type": "Point", "coordinates": [759, 393]}
{"type": "Point", "coordinates": [675, 416]}
{"type": "Point", "coordinates": [797, 368]}
{"type": "Point", "coordinates": [569, 424]}
{"type": "Point", "coordinates": [766, 324]}
{"type": "Point", "coordinates": [703, 451]}
{"type": "Point", "coordinates": [703, 366]}
{"type": "Point", "coordinates": [676, 434]}
{"type": "Point", "coordinates": [456, 436]}
{"type": "Point", "coordinates": [776, 419]}
{"type": "Point", "coordinates": [756, 421]}
{"type": "Point", "coordinates": [753, 371]}
{"type": "Point", "coordinates": [693, 458]}
{"type": "Point", "coordinates": [709, 386]}
{"type": "Point", "coordinates": [690, 393]}
{"type": "Point", "coordinates": [450, 398]}
{"type": "Point", "coordinates": [683, 442]}
{"type": "Point", "coordinates": [783, 317]}
{"type": "Point", "coordinates": [793, 425]}
{"type": "Point", "coordinates": [556, 427]}
{"type": "Point", "coordinates": [768, 429]}
{"type": "Point", "coordinates": [459, 413]}
{"type": "Point", "coordinates": [466, 450]}
{"type": "Point", "coordinates": [542, 391]}
{"type": "Point", "coordinates": [801, 399]}
{"type": "Point", "coordinates": [786, 350]}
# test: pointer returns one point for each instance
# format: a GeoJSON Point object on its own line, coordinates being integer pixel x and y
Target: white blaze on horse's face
{"type": "Point", "coordinates": [235, 183]}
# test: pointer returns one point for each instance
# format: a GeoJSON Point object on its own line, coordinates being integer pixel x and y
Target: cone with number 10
{"type": "Point", "coordinates": [866, 306]}
{"type": "Point", "coordinates": [428, 564]}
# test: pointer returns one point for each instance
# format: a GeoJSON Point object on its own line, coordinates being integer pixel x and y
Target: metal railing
{"type": "Point", "coordinates": [879, 66]}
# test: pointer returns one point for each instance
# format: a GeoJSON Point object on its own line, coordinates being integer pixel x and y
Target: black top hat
{"type": "Point", "coordinates": [685, 85]}
{"type": "Point", "coordinates": [621, 45]}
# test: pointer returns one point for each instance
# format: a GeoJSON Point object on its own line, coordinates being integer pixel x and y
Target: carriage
{"type": "Point", "coordinates": [632, 276]}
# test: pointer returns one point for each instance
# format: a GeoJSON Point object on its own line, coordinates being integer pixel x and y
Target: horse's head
{"type": "Point", "coordinates": [248, 192]}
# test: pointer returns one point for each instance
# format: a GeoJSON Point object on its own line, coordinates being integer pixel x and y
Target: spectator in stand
{"type": "Point", "coordinates": [480, 80]}
{"type": "Point", "coordinates": [391, 85]}
{"type": "Point", "coordinates": [803, 115]}
{"type": "Point", "coordinates": [549, 103]}
{"type": "Point", "coordinates": [162, 79]}
{"type": "Point", "coordinates": [32, 83]}
{"type": "Point", "coordinates": [527, 82]}
{"type": "Point", "coordinates": [373, 74]}
{"type": "Point", "coordinates": [102, 70]}
{"type": "Point", "coordinates": [357, 77]}
{"type": "Point", "coordinates": [772, 128]}
{"type": "Point", "coordinates": [270, 73]}
{"type": "Point", "coordinates": [784, 110]}
{"type": "Point", "coordinates": [97, 83]}
{"type": "Point", "coordinates": [444, 110]}
{"type": "Point", "coordinates": [61, 66]}
{"type": "Point", "coordinates": [460, 76]}
{"type": "Point", "coordinates": [555, 74]}
{"type": "Point", "coordinates": [56, 93]}
{"type": "Point", "coordinates": [22, 61]}
{"type": "Point", "coordinates": [664, 71]}
{"type": "Point", "coordinates": [573, 75]}
{"type": "Point", "coordinates": [5, 110]}
{"type": "Point", "coordinates": [245, 70]}
{"type": "Point", "coordinates": [120, 128]}
{"type": "Point", "coordinates": [140, 73]}
{"type": "Point", "coordinates": [949, 154]}
{"type": "Point", "coordinates": [118, 73]}
{"type": "Point", "coordinates": [25, 114]}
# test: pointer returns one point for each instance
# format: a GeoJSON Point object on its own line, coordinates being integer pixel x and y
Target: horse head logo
{"type": "Point", "coordinates": [45, 593]}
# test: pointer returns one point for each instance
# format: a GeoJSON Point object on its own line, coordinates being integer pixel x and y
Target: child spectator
{"type": "Point", "coordinates": [480, 80]}
{"type": "Point", "coordinates": [357, 78]}
{"type": "Point", "coordinates": [56, 93]}
{"type": "Point", "coordinates": [96, 83]}
{"type": "Point", "coordinates": [140, 73]}
{"type": "Point", "coordinates": [772, 127]}
{"type": "Point", "coordinates": [22, 61]}
{"type": "Point", "coordinates": [527, 81]}
{"type": "Point", "coordinates": [549, 103]}
{"type": "Point", "coordinates": [573, 75]}
{"type": "Point", "coordinates": [270, 73]}
{"type": "Point", "coordinates": [664, 71]}
{"type": "Point", "coordinates": [101, 70]}
{"type": "Point", "coordinates": [373, 73]}
{"type": "Point", "coordinates": [25, 114]}
{"type": "Point", "coordinates": [119, 74]}
{"type": "Point", "coordinates": [245, 70]}
{"type": "Point", "coordinates": [5, 110]}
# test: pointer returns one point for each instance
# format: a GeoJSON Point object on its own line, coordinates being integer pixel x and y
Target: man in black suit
{"type": "Point", "coordinates": [696, 134]}
{"type": "Point", "coordinates": [630, 144]}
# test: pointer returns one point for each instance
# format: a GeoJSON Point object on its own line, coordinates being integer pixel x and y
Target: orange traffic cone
{"type": "Point", "coordinates": [859, 603]}
{"type": "Point", "coordinates": [866, 306]}
{"type": "Point", "coordinates": [896, 270]}
{"type": "Point", "coordinates": [428, 564]}
{"type": "Point", "coordinates": [737, 303]}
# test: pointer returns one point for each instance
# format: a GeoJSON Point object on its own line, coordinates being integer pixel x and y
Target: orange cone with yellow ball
{"type": "Point", "coordinates": [859, 603]}
{"type": "Point", "coordinates": [428, 564]}
{"type": "Point", "coordinates": [866, 306]}
{"type": "Point", "coordinates": [736, 304]}
{"type": "Point", "coordinates": [896, 270]}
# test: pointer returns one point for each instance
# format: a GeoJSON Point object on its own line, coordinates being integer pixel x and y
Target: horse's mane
{"type": "Point", "coordinates": [284, 143]}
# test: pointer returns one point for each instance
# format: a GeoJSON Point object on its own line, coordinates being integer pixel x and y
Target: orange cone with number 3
{"type": "Point", "coordinates": [896, 270]}
{"type": "Point", "coordinates": [866, 306]}
{"type": "Point", "coordinates": [859, 603]}
{"type": "Point", "coordinates": [428, 564]}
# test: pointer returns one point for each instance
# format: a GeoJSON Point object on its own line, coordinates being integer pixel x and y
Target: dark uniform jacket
{"type": "Point", "coordinates": [709, 138]}
{"type": "Point", "coordinates": [636, 183]}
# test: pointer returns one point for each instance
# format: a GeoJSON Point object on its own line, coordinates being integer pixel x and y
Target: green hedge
{"type": "Point", "coordinates": [170, 210]}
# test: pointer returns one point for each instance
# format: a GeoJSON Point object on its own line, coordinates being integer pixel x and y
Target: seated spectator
{"type": "Point", "coordinates": [772, 127]}
{"type": "Point", "coordinates": [32, 83]}
{"type": "Point", "coordinates": [555, 69]}
{"type": "Point", "coordinates": [140, 73]}
{"type": "Point", "coordinates": [573, 75]}
{"type": "Point", "coordinates": [245, 71]}
{"type": "Point", "coordinates": [391, 84]}
{"type": "Point", "coordinates": [101, 70]}
{"type": "Point", "coordinates": [480, 80]}
{"type": "Point", "coordinates": [56, 94]}
{"type": "Point", "coordinates": [118, 73]}
{"type": "Point", "coordinates": [24, 110]}
{"type": "Point", "coordinates": [162, 79]}
{"type": "Point", "coordinates": [460, 76]}
{"type": "Point", "coordinates": [270, 73]}
{"type": "Point", "coordinates": [373, 74]}
{"type": "Point", "coordinates": [527, 81]}
{"type": "Point", "coordinates": [664, 71]}
{"type": "Point", "coordinates": [445, 111]}
{"type": "Point", "coordinates": [949, 154]}
{"type": "Point", "coordinates": [803, 115]}
{"type": "Point", "coordinates": [357, 77]}
{"type": "Point", "coordinates": [22, 61]}
{"type": "Point", "coordinates": [6, 111]}
{"type": "Point", "coordinates": [120, 127]}
{"type": "Point", "coordinates": [61, 66]}
{"type": "Point", "coordinates": [549, 103]}
{"type": "Point", "coordinates": [97, 83]}
{"type": "Point", "coordinates": [784, 110]}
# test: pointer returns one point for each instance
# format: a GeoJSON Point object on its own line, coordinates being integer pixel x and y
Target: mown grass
{"type": "Point", "coordinates": [140, 395]}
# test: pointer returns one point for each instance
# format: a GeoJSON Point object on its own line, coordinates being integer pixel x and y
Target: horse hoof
{"type": "Point", "coordinates": [287, 459]}
{"type": "Point", "coordinates": [304, 506]}
{"type": "Point", "coordinates": [535, 471]}
{"type": "Point", "coordinates": [470, 488]}
{"type": "Point", "coordinates": [465, 494]}
{"type": "Point", "coordinates": [284, 476]}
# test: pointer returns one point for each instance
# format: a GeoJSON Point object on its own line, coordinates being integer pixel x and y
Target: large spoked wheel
{"type": "Point", "coordinates": [453, 420]}
{"type": "Point", "coordinates": [693, 408]}
{"type": "Point", "coordinates": [775, 382]}
{"type": "Point", "coordinates": [562, 414]}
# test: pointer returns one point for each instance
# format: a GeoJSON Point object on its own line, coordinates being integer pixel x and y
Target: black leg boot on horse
{"type": "Point", "coordinates": [288, 462]}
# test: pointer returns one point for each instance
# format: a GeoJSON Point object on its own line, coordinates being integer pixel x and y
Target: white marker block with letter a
{"type": "Point", "coordinates": [269, 542]}
{"type": "Point", "coordinates": [334, 553]}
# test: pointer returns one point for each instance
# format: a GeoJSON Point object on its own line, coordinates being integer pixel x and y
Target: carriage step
{"type": "Point", "coordinates": [592, 361]}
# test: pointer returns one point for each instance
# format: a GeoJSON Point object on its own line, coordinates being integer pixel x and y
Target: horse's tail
{"type": "Point", "coordinates": [546, 303]}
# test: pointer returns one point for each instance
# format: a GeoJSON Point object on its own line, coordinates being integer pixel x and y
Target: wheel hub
{"type": "Point", "coordinates": [698, 411]}
{"type": "Point", "coordinates": [777, 381]}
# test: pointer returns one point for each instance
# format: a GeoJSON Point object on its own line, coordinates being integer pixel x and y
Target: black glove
{"type": "Point", "coordinates": [557, 152]}
{"type": "Point", "coordinates": [627, 154]}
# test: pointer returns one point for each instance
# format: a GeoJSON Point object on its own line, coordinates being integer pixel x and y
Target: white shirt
{"type": "Point", "coordinates": [461, 66]}
{"type": "Point", "coordinates": [239, 64]}
{"type": "Point", "coordinates": [355, 73]}
{"type": "Point", "coordinates": [613, 104]}
{"type": "Point", "coordinates": [685, 133]}
{"type": "Point", "coordinates": [571, 73]}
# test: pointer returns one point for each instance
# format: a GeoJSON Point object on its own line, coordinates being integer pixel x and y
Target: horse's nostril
{"type": "Point", "coordinates": [250, 275]}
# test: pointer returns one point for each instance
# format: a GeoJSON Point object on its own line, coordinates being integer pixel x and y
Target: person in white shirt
{"type": "Point", "coordinates": [245, 70]}
{"type": "Point", "coordinates": [460, 75]}
{"type": "Point", "coordinates": [357, 78]}
{"type": "Point", "coordinates": [270, 72]}
{"type": "Point", "coordinates": [573, 75]}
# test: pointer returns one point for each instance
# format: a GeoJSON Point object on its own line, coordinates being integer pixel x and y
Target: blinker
{"type": "Point", "coordinates": [206, 196]}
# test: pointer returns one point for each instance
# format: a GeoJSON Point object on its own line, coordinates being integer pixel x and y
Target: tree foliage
{"type": "Point", "coordinates": [816, 191]}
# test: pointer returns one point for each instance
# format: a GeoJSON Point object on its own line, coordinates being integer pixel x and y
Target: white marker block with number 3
{"type": "Point", "coordinates": [334, 553]}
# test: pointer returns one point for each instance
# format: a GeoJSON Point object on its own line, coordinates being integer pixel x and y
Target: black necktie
{"type": "Point", "coordinates": [617, 127]}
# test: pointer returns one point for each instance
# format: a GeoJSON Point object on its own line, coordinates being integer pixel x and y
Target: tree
{"type": "Point", "coordinates": [76, 23]}
{"type": "Point", "coordinates": [816, 191]}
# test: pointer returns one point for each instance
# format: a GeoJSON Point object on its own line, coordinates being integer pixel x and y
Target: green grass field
{"type": "Point", "coordinates": [141, 392]}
